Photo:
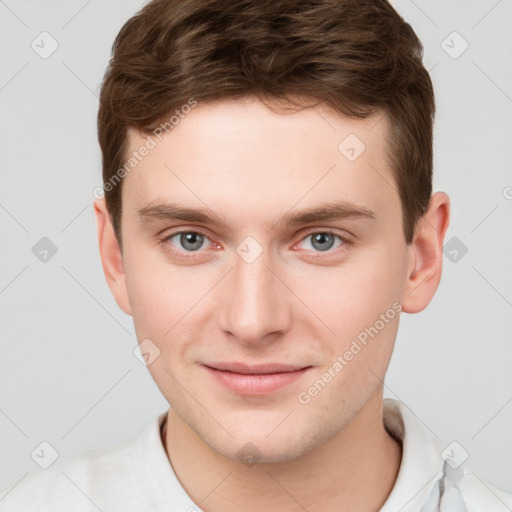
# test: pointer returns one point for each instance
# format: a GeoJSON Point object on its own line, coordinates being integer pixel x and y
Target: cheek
{"type": "Point", "coordinates": [170, 303]}
{"type": "Point", "coordinates": [361, 304]}
{"type": "Point", "coordinates": [356, 294]}
{"type": "Point", "coordinates": [157, 296]}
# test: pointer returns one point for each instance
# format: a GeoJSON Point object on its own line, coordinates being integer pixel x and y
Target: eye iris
{"type": "Point", "coordinates": [195, 239]}
{"type": "Point", "coordinates": [322, 237]}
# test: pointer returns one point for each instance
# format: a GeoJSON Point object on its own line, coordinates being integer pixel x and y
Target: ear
{"type": "Point", "coordinates": [426, 255]}
{"type": "Point", "coordinates": [111, 256]}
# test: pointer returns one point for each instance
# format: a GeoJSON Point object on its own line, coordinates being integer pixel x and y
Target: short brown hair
{"type": "Point", "coordinates": [358, 57]}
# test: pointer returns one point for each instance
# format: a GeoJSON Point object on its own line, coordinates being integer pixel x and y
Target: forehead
{"type": "Point", "coordinates": [239, 154]}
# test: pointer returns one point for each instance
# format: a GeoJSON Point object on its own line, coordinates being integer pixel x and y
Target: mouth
{"type": "Point", "coordinates": [261, 379]}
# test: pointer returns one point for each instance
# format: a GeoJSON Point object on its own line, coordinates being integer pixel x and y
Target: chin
{"type": "Point", "coordinates": [253, 446]}
{"type": "Point", "coordinates": [251, 453]}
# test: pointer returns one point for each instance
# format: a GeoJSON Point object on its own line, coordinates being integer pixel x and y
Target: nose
{"type": "Point", "coordinates": [255, 306]}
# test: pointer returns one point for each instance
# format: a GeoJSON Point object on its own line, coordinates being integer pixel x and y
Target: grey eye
{"type": "Point", "coordinates": [322, 241]}
{"type": "Point", "coordinates": [190, 240]}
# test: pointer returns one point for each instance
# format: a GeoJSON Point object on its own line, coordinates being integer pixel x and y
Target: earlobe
{"type": "Point", "coordinates": [111, 256]}
{"type": "Point", "coordinates": [426, 255]}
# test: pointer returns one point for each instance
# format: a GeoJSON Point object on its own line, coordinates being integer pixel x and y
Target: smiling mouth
{"type": "Point", "coordinates": [259, 379]}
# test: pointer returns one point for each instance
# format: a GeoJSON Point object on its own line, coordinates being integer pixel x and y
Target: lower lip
{"type": "Point", "coordinates": [262, 384]}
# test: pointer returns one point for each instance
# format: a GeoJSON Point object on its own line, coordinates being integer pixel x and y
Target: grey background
{"type": "Point", "coordinates": [67, 369]}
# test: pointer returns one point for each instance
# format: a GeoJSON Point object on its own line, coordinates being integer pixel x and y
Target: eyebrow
{"type": "Point", "coordinates": [325, 212]}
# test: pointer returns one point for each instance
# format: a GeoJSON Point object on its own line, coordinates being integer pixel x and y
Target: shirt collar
{"type": "Point", "coordinates": [417, 483]}
{"type": "Point", "coordinates": [422, 465]}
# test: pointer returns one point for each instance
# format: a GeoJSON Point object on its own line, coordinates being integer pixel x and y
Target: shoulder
{"type": "Point", "coordinates": [90, 481]}
{"type": "Point", "coordinates": [432, 479]}
{"type": "Point", "coordinates": [480, 495]}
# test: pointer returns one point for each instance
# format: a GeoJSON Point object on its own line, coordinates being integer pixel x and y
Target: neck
{"type": "Point", "coordinates": [354, 470]}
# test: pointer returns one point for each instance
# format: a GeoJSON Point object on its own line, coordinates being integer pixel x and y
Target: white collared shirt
{"type": "Point", "coordinates": [135, 476]}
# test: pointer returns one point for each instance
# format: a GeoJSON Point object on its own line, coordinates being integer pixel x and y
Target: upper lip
{"type": "Point", "coordinates": [254, 369]}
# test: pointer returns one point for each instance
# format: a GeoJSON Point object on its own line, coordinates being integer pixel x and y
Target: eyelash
{"type": "Point", "coordinates": [164, 241]}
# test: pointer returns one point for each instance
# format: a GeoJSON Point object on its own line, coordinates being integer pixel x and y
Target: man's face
{"type": "Point", "coordinates": [258, 289]}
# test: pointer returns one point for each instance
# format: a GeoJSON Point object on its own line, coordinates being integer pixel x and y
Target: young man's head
{"type": "Point", "coordinates": [267, 171]}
